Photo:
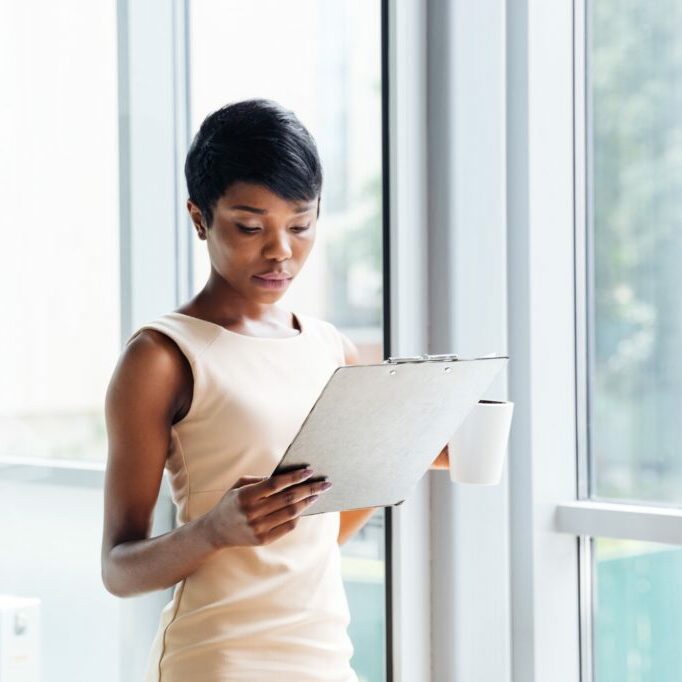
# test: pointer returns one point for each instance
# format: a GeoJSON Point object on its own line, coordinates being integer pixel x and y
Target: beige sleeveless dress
{"type": "Point", "coordinates": [257, 613]}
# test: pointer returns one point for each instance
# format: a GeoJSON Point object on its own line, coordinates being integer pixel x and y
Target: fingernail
{"type": "Point", "coordinates": [326, 485]}
{"type": "Point", "coordinates": [306, 472]}
{"type": "Point", "coordinates": [313, 497]}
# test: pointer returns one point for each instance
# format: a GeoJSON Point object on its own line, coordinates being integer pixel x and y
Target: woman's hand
{"type": "Point", "coordinates": [257, 511]}
{"type": "Point", "coordinates": [442, 461]}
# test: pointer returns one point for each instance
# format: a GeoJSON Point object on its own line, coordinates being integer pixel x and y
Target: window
{"type": "Point", "coordinates": [60, 282]}
{"type": "Point", "coordinates": [638, 600]}
{"type": "Point", "coordinates": [59, 269]}
{"type": "Point", "coordinates": [629, 327]}
{"type": "Point", "coordinates": [635, 151]}
{"type": "Point", "coordinates": [326, 67]}
{"type": "Point", "coordinates": [591, 232]}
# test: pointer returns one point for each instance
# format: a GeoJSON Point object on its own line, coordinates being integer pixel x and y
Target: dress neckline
{"type": "Point", "coordinates": [303, 329]}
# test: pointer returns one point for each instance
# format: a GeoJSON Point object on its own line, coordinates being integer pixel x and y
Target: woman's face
{"type": "Point", "coordinates": [255, 232]}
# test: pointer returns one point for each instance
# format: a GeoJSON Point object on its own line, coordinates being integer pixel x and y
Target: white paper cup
{"type": "Point", "coordinates": [478, 447]}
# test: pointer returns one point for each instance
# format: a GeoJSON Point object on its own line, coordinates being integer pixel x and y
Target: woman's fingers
{"type": "Point", "coordinates": [272, 507]}
{"type": "Point", "coordinates": [257, 511]}
{"type": "Point", "coordinates": [290, 496]}
{"type": "Point", "coordinates": [442, 460]}
{"type": "Point", "coordinates": [274, 484]}
{"type": "Point", "coordinates": [286, 516]}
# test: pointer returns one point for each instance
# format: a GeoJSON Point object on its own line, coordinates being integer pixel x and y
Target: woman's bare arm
{"type": "Point", "coordinates": [147, 393]}
{"type": "Point", "coordinates": [143, 397]}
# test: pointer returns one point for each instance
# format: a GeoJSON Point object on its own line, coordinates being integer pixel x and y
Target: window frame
{"type": "Point", "coordinates": [587, 517]}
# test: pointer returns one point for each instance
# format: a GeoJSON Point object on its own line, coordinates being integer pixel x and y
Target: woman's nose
{"type": "Point", "coordinates": [278, 247]}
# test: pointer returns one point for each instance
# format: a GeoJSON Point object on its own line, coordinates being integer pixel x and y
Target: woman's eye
{"type": "Point", "coordinates": [253, 230]}
{"type": "Point", "coordinates": [248, 230]}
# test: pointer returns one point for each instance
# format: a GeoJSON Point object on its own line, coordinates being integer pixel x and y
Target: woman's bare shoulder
{"type": "Point", "coordinates": [151, 371]}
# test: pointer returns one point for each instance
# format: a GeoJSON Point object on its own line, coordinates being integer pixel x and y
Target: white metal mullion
{"type": "Point", "coordinates": [410, 547]}
{"type": "Point", "coordinates": [518, 210]}
{"type": "Point", "coordinates": [586, 606]}
{"type": "Point", "coordinates": [185, 237]}
{"type": "Point", "coordinates": [583, 347]}
{"type": "Point", "coordinates": [580, 187]}
{"type": "Point", "coordinates": [470, 600]}
{"type": "Point", "coordinates": [545, 614]}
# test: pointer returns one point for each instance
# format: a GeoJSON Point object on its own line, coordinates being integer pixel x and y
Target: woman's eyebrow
{"type": "Point", "coordinates": [303, 208]}
{"type": "Point", "coordinates": [241, 207]}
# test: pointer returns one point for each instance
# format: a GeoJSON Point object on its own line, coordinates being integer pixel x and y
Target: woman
{"type": "Point", "coordinates": [214, 392]}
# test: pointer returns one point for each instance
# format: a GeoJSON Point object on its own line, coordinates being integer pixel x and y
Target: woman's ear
{"type": "Point", "coordinates": [197, 219]}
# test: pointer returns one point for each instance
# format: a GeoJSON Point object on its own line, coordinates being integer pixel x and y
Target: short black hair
{"type": "Point", "coordinates": [257, 141]}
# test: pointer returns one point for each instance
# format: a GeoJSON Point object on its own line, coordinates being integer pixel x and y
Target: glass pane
{"type": "Point", "coordinates": [59, 283]}
{"type": "Point", "coordinates": [326, 67]}
{"type": "Point", "coordinates": [638, 612]}
{"type": "Point", "coordinates": [59, 264]}
{"type": "Point", "coordinates": [57, 580]}
{"type": "Point", "coordinates": [635, 322]}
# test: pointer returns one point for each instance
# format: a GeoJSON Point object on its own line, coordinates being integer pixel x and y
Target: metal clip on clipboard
{"type": "Point", "coordinates": [425, 357]}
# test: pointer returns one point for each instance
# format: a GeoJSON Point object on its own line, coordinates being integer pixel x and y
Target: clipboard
{"type": "Point", "coordinates": [375, 429]}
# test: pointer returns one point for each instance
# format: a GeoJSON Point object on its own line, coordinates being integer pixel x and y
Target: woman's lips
{"type": "Point", "coordinates": [272, 283]}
